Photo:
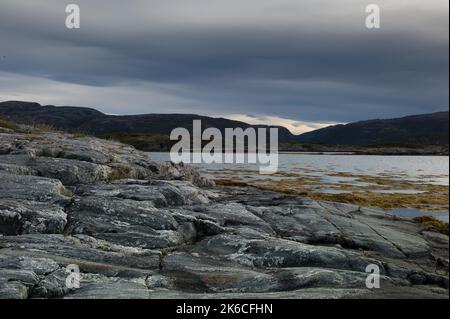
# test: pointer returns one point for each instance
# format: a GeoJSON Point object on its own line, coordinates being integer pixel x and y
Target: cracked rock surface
{"type": "Point", "coordinates": [142, 229]}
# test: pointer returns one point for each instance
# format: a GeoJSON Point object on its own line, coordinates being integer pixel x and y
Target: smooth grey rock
{"type": "Point", "coordinates": [32, 188]}
{"type": "Point", "coordinates": [307, 277]}
{"type": "Point", "coordinates": [346, 225]}
{"type": "Point", "coordinates": [82, 250]}
{"type": "Point", "coordinates": [312, 293]}
{"type": "Point", "coordinates": [128, 223]}
{"type": "Point", "coordinates": [124, 159]}
{"type": "Point", "coordinates": [436, 238]}
{"type": "Point", "coordinates": [16, 284]}
{"type": "Point", "coordinates": [70, 172]}
{"type": "Point", "coordinates": [202, 274]}
{"type": "Point", "coordinates": [195, 273]}
{"type": "Point", "coordinates": [100, 287]}
{"type": "Point", "coordinates": [28, 278]}
{"type": "Point", "coordinates": [161, 193]}
{"type": "Point", "coordinates": [40, 266]}
{"type": "Point", "coordinates": [17, 164]}
{"type": "Point", "coordinates": [231, 215]}
{"type": "Point", "coordinates": [30, 217]}
{"type": "Point", "coordinates": [280, 253]}
{"type": "Point", "coordinates": [13, 290]}
{"type": "Point", "coordinates": [52, 286]}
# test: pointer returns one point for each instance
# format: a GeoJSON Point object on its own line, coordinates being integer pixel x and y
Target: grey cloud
{"type": "Point", "coordinates": [305, 60]}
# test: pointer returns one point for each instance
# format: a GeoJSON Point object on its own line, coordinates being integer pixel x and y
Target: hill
{"type": "Point", "coordinates": [146, 129]}
{"type": "Point", "coordinates": [81, 119]}
{"type": "Point", "coordinates": [410, 130]}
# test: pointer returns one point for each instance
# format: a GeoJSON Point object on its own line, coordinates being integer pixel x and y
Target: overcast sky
{"type": "Point", "coordinates": [299, 63]}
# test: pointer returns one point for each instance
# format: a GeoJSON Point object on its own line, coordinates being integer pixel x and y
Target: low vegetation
{"type": "Point", "coordinates": [433, 222]}
{"type": "Point", "coordinates": [429, 197]}
{"type": "Point", "coordinates": [231, 182]}
{"type": "Point", "coordinates": [42, 128]}
{"type": "Point", "coordinates": [29, 129]}
{"type": "Point", "coordinates": [8, 125]}
{"type": "Point", "coordinates": [79, 134]}
{"type": "Point", "coordinates": [143, 142]}
{"type": "Point", "coordinates": [117, 175]}
{"type": "Point", "coordinates": [424, 201]}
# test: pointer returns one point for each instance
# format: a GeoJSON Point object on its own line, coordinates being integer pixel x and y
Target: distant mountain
{"type": "Point", "coordinates": [81, 119]}
{"type": "Point", "coordinates": [414, 130]}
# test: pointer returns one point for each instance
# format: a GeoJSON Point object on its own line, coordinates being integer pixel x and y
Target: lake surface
{"type": "Point", "coordinates": [333, 173]}
{"type": "Point", "coordinates": [426, 169]}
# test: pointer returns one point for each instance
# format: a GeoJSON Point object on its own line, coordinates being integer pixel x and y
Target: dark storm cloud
{"type": "Point", "coordinates": [301, 60]}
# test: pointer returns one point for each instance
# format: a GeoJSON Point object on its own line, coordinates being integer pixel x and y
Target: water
{"type": "Point", "coordinates": [413, 213]}
{"type": "Point", "coordinates": [424, 169]}
{"type": "Point", "coordinates": [333, 173]}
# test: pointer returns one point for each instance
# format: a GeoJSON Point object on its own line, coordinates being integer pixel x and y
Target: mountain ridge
{"type": "Point", "coordinates": [98, 123]}
{"type": "Point", "coordinates": [419, 129]}
{"type": "Point", "coordinates": [431, 128]}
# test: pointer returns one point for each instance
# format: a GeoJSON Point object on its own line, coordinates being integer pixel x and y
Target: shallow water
{"type": "Point", "coordinates": [429, 169]}
{"type": "Point", "coordinates": [333, 173]}
{"type": "Point", "coordinates": [413, 213]}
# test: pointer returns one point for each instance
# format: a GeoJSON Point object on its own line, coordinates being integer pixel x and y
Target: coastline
{"type": "Point", "coordinates": [138, 228]}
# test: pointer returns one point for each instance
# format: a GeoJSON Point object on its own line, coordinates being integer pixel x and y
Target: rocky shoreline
{"type": "Point", "coordinates": [142, 229]}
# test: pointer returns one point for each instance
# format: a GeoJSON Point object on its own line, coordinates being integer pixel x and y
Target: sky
{"type": "Point", "coordinates": [300, 64]}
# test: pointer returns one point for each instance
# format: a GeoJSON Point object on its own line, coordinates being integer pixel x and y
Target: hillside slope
{"type": "Point", "coordinates": [423, 129]}
{"type": "Point", "coordinates": [417, 130]}
{"type": "Point", "coordinates": [94, 122]}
